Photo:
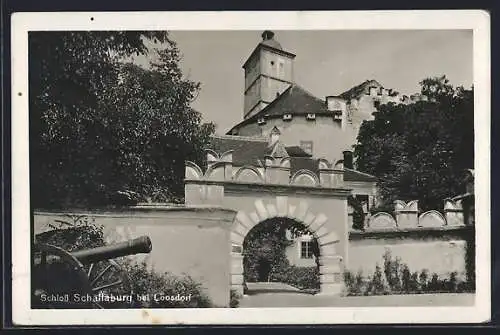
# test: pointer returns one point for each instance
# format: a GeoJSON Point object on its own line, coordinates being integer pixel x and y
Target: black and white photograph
{"type": "Point", "coordinates": [219, 168]}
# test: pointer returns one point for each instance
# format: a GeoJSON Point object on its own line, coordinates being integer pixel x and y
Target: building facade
{"type": "Point", "coordinates": [323, 127]}
{"type": "Point", "coordinates": [282, 120]}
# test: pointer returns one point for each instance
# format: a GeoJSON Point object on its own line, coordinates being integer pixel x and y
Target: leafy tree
{"type": "Point", "coordinates": [358, 214]}
{"type": "Point", "coordinates": [103, 131]}
{"type": "Point", "coordinates": [266, 244]}
{"type": "Point", "coordinates": [420, 150]}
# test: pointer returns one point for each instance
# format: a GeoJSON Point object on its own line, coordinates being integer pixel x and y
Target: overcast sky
{"type": "Point", "coordinates": [327, 62]}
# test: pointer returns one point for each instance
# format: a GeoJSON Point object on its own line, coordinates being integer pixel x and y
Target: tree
{"type": "Point", "coordinates": [266, 244]}
{"type": "Point", "coordinates": [358, 214]}
{"type": "Point", "coordinates": [100, 127]}
{"type": "Point", "coordinates": [419, 151]}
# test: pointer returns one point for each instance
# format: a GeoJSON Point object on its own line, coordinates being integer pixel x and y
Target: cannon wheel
{"type": "Point", "coordinates": [105, 276]}
{"type": "Point", "coordinates": [89, 279]}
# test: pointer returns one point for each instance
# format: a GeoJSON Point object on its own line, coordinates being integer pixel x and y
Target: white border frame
{"type": "Point", "coordinates": [22, 23]}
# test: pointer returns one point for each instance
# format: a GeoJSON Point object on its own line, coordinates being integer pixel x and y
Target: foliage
{"type": "Point", "coordinates": [105, 132]}
{"type": "Point", "coordinates": [234, 299]}
{"type": "Point", "coordinates": [420, 150]}
{"type": "Point", "coordinates": [266, 245]}
{"type": "Point", "coordinates": [304, 278]}
{"type": "Point", "coordinates": [73, 233]}
{"type": "Point", "coordinates": [81, 232]}
{"type": "Point", "coordinates": [396, 278]}
{"type": "Point", "coordinates": [147, 282]}
{"type": "Point", "coordinates": [358, 215]}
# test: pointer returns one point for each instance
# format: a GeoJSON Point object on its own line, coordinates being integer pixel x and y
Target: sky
{"type": "Point", "coordinates": [326, 63]}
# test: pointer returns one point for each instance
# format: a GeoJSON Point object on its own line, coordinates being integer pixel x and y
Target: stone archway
{"type": "Point", "coordinates": [330, 262]}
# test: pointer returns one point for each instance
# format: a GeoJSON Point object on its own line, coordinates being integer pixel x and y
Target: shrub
{"type": "Point", "coordinates": [304, 278]}
{"type": "Point", "coordinates": [376, 285]}
{"type": "Point", "coordinates": [235, 299]}
{"type": "Point", "coordinates": [73, 233]}
{"type": "Point", "coordinates": [147, 283]}
{"type": "Point", "coordinates": [396, 278]}
{"type": "Point", "coordinates": [392, 271]}
{"type": "Point", "coordinates": [358, 215]}
{"type": "Point", "coordinates": [355, 284]}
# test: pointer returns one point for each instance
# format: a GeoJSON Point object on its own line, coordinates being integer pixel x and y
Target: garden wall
{"type": "Point", "coordinates": [440, 251]}
{"type": "Point", "coordinates": [191, 240]}
{"type": "Point", "coordinates": [441, 244]}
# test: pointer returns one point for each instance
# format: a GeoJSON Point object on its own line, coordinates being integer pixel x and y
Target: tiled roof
{"type": "Point", "coordinates": [295, 100]}
{"type": "Point", "coordinates": [246, 151]}
{"type": "Point", "coordinates": [249, 150]}
{"type": "Point", "coordinates": [360, 89]}
{"type": "Point", "coordinates": [353, 175]}
{"type": "Point", "coordinates": [296, 151]}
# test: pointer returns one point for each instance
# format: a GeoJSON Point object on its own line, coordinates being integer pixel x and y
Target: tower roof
{"type": "Point", "coordinates": [268, 40]}
{"type": "Point", "coordinates": [270, 43]}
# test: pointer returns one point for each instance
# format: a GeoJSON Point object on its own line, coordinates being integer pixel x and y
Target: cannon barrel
{"type": "Point", "coordinates": [131, 247]}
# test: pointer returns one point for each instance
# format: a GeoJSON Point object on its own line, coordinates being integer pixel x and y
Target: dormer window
{"type": "Point", "coordinates": [287, 117]}
{"type": "Point", "coordinates": [337, 115]}
{"type": "Point", "coordinates": [261, 120]}
{"type": "Point", "coordinates": [311, 116]}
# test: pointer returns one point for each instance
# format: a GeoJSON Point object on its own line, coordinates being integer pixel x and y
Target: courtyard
{"type": "Point", "coordinates": [283, 295]}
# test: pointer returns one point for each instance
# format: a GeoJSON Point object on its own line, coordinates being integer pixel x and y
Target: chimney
{"type": "Point", "coordinates": [347, 159]}
{"type": "Point", "coordinates": [267, 35]}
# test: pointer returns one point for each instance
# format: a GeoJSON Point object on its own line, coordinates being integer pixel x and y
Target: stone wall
{"type": "Point", "coordinates": [439, 251]}
{"type": "Point", "coordinates": [439, 243]}
{"type": "Point", "coordinates": [190, 240]}
{"type": "Point", "coordinates": [264, 192]}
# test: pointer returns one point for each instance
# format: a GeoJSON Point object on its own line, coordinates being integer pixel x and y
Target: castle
{"type": "Point", "coordinates": [323, 128]}
{"type": "Point", "coordinates": [290, 160]}
{"type": "Point", "coordinates": [282, 120]}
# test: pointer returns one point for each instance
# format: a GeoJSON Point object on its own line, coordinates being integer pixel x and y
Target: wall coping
{"type": "Point", "coordinates": [211, 212]}
{"type": "Point", "coordinates": [410, 231]}
{"type": "Point", "coordinates": [233, 186]}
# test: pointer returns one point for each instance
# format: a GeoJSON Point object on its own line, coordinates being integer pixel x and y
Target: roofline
{"type": "Point", "coordinates": [362, 173]}
{"type": "Point", "coordinates": [334, 96]}
{"type": "Point", "coordinates": [259, 113]}
{"type": "Point", "coordinates": [272, 116]}
{"type": "Point", "coordinates": [343, 94]}
{"type": "Point", "coordinates": [264, 46]}
{"type": "Point", "coordinates": [243, 138]}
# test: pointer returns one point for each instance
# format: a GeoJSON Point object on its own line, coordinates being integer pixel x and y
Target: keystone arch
{"type": "Point", "coordinates": [330, 268]}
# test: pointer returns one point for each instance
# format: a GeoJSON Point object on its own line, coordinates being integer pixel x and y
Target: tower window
{"type": "Point", "coordinates": [281, 69]}
{"type": "Point", "coordinates": [272, 62]}
{"type": "Point", "coordinates": [307, 146]}
{"type": "Point", "coordinates": [306, 249]}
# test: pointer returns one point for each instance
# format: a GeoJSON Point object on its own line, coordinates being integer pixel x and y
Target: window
{"type": "Point", "coordinates": [306, 249]}
{"type": "Point", "coordinates": [311, 116]}
{"type": "Point", "coordinates": [281, 69]}
{"type": "Point", "coordinates": [307, 146]}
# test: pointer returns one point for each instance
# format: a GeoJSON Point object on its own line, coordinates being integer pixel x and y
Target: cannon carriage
{"type": "Point", "coordinates": [90, 278]}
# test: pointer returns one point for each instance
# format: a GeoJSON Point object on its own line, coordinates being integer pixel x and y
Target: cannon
{"type": "Point", "coordinates": [89, 278]}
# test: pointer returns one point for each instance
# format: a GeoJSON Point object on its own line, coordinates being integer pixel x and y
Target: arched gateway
{"type": "Point", "coordinates": [329, 259]}
{"type": "Point", "coordinates": [266, 192]}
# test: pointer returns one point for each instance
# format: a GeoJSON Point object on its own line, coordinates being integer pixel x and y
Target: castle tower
{"type": "Point", "coordinates": [268, 72]}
